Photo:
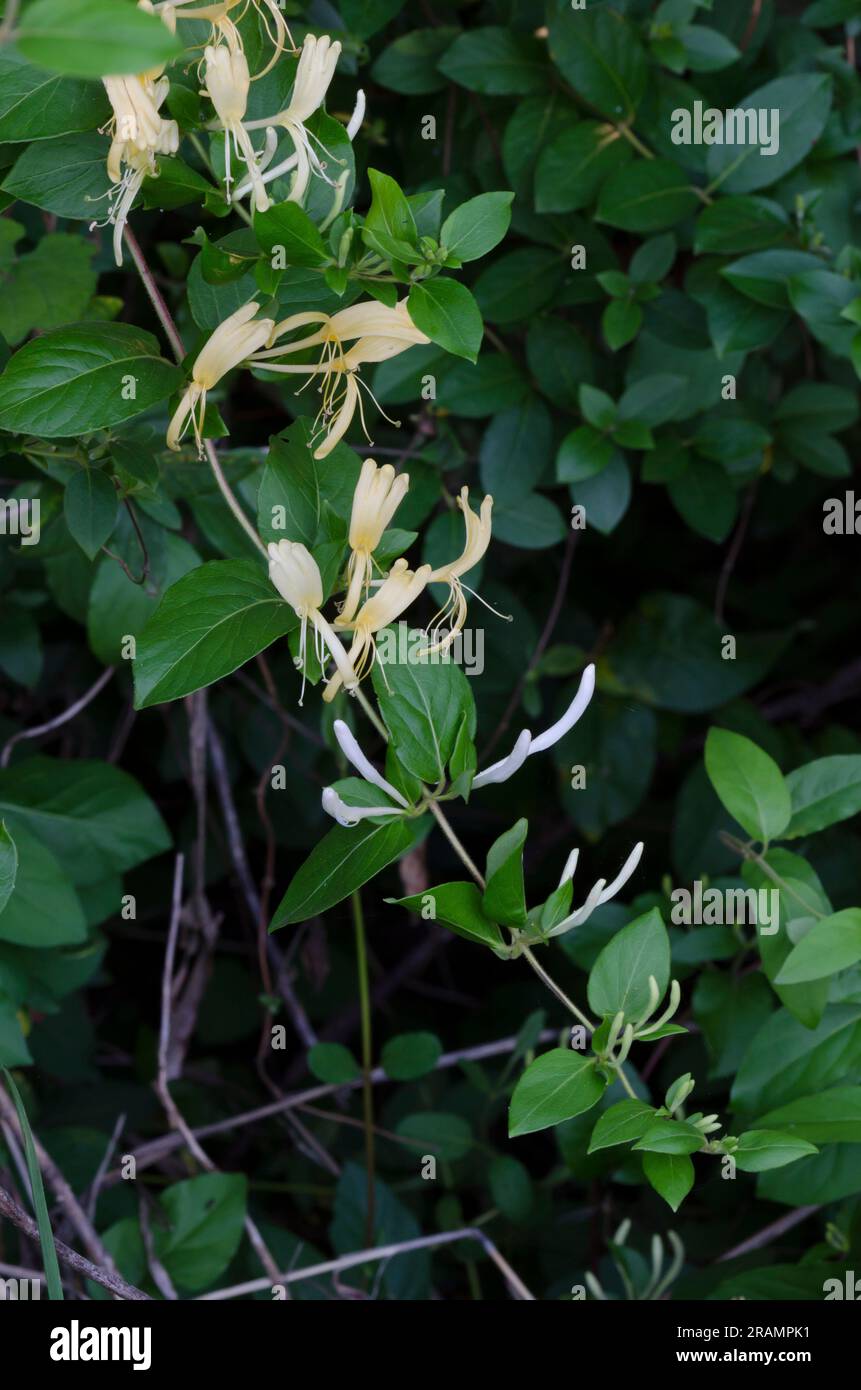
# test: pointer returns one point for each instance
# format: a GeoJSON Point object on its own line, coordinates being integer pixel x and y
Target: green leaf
{"type": "Point", "coordinates": [208, 624]}
{"type": "Point", "coordinates": [534, 523]}
{"type": "Point", "coordinates": [46, 288]}
{"type": "Point", "coordinates": [476, 226]}
{"type": "Point", "coordinates": [409, 65]}
{"type": "Point", "coordinates": [435, 1132]}
{"type": "Point", "coordinates": [803, 101]}
{"type": "Point", "coordinates": [516, 449]}
{"type": "Point", "coordinates": [423, 703]}
{"type": "Point", "coordinates": [174, 185]}
{"type": "Point", "coordinates": [575, 163]}
{"type": "Point", "coordinates": [333, 1063]}
{"type": "Point", "coordinates": [620, 323]}
{"type": "Point", "coordinates": [831, 944]}
{"type": "Point", "coordinates": [511, 1187]}
{"type": "Point", "coordinates": [705, 499]}
{"type": "Point", "coordinates": [94, 817]}
{"type": "Point", "coordinates": [765, 275]}
{"type": "Point", "coordinates": [671, 1175]}
{"type": "Point", "coordinates": [786, 1060]}
{"type": "Point", "coordinates": [288, 225]}
{"type": "Point", "coordinates": [556, 1086]}
{"type": "Point", "coordinates": [761, 1149]}
{"type": "Point", "coordinates": [619, 979]}
{"type": "Point", "coordinates": [669, 652]}
{"type": "Point", "coordinates": [290, 500]}
{"type": "Point", "coordinates": [201, 1225]}
{"type": "Point", "coordinates": [67, 176]}
{"type": "Point", "coordinates": [505, 895]}
{"type": "Point", "coordinates": [340, 863]}
{"type": "Point", "coordinates": [93, 38]}
{"type": "Point", "coordinates": [651, 400]}
{"type": "Point", "coordinates": [599, 54]}
{"type": "Point", "coordinates": [829, 1117]}
{"type": "Point", "coordinates": [823, 792]}
{"type": "Point", "coordinates": [749, 783]}
{"type": "Point", "coordinates": [84, 378]}
{"type": "Point", "coordinates": [669, 1136]}
{"type": "Point", "coordinates": [410, 1055]}
{"type": "Point", "coordinates": [621, 1123]}
{"type": "Point", "coordinates": [90, 505]}
{"type": "Point", "coordinates": [458, 906]}
{"type": "Point", "coordinates": [445, 310]}
{"type": "Point", "coordinates": [37, 1193]}
{"type": "Point", "coordinates": [43, 910]}
{"type": "Point", "coordinates": [706, 50]}
{"type": "Point", "coordinates": [390, 212]}
{"type": "Point", "coordinates": [8, 865]}
{"type": "Point", "coordinates": [646, 197]}
{"type": "Point", "coordinates": [745, 223]}
{"type": "Point", "coordinates": [496, 61]}
{"type": "Point", "coordinates": [582, 454]}
{"type": "Point", "coordinates": [653, 260]}
{"type": "Point", "coordinates": [37, 105]}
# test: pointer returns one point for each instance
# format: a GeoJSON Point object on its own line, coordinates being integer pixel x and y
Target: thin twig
{"type": "Point", "coordinates": [60, 719]}
{"type": "Point", "coordinates": [69, 1203]}
{"type": "Point", "coordinates": [106, 1277]}
{"type": "Point", "coordinates": [156, 1149]}
{"type": "Point", "coordinates": [385, 1252]}
{"type": "Point", "coordinates": [174, 1115]}
{"type": "Point", "coordinates": [769, 1233]}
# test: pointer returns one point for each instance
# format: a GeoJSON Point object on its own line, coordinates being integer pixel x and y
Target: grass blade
{"type": "Point", "coordinates": [46, 1235]}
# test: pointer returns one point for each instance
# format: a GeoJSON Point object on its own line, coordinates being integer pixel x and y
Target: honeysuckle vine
{"type": "Point", "coordinates": [321, 285]}
{"type": "Point", "coordinates": [368, 598]}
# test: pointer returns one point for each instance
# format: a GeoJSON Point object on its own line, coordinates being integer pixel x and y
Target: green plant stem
{"type": "Point", "coordinates": [367, 1060]}
{"type": "Point", "coordinates": [460, 850]}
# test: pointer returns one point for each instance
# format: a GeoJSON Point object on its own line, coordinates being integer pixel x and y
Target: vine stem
{"type": "Point", "coordinates": [547, 980]}
{"type": "Point", "coordinates": [171, 332]}
{"type": "Point", "coordinates": [367, 1060]}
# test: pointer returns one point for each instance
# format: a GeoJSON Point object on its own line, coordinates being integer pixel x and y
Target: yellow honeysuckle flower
{"type": "Point", "coordinates": [381, 332]}
{"type": "Point", "coordinates": [379, 492]}
{"type": "Point", "coordinates": [293, 570]}
{"type": "Point", "coordinates": [476, 543]}
{"type": "Point", "coordinates": [223, 26]}
{"type": "Point", "coordinates": [317, 63]}
{"type": "Point", "coordinates": [138, 133]}
{"type": "Point", "coordinates": [397, 591]}
{"type": "Point", "coordinates": [233, 340]}
{"type": "Point", "coordinates": [227, 82]}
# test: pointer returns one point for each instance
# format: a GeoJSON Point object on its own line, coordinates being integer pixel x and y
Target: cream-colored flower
{"type": "Point", "coordinates": [293, 570]}
{"type": "Point", "coordinates": [335, 806]}
{"type": "Point", "coordinates": [453, 613]}
{"type": "Point", "coordinates": [223, 26]}
{"type": "Point", "coordinates": [233, 340]}
{"type": "Point", "coordinates": [227, 83]}
{"type": "Point", "coordinates": [380, 333]}
{"type": "Point", "coordinates": [379, 492]}
{"type": "Point", "coordinates": [526, 745]}
{"type": "Point", "coordinates": [397, 591]}
{"type": "Point", "coordinates": [138, 134]}
{"type": "Point", "coordinates": [317, 63]}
